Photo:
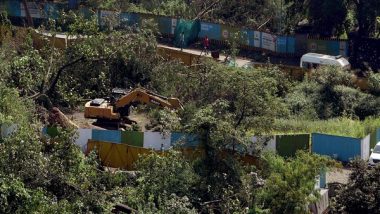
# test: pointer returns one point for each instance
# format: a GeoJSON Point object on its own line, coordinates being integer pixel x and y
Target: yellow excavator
{"type": "Point", "coordinates": [115, 109]}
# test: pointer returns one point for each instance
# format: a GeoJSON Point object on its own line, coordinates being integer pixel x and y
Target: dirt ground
{"type": "Point", "coordinates": [141, 119]}
{"type": "Point", "coordinates": [338, 176]}
{"type": "Point", "coordinates": [77, 117]}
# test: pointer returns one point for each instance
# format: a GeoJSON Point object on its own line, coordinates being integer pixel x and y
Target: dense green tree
{"type": "Point", "coordinates": [296, 11]}
{"type": "Point", "coordinates": [289, 185]}
{"type": "Point", "coordinates": [361, 193]}
{"type": "Point", "coordinates": [328, 17]}
{"type": "Point", "coordinates": [48, 175]}
{"type": "Point", "coordinates": [329, 93]}
{"type": "Point", "coordinates": [221, 185]}
{"type": "Point", "coordinates": [366, 13]}
{"type": "Point", "coordinates": [163, 181]}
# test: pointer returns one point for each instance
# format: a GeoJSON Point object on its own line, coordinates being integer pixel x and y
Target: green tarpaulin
{"type": "Point", "coordinates": [190, 30]}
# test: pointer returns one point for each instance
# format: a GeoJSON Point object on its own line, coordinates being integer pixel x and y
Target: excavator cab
{"type": "Point", "coordinates": [116, 94]}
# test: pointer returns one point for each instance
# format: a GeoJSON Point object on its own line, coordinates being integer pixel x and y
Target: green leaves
{"type": "Point", "coordinates": [361, 193]}
{"type": "Point", "coordinates": [164, 180]}
{"type": "Point", "coordinates": [289, 185]}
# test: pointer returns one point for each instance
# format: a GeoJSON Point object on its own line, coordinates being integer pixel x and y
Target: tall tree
{"type": "Point", "coordinates": [328, 16]}
{"type": "Point", "coordinates": [366, 13]}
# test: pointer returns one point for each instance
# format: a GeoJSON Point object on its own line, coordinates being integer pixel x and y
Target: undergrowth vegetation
{"type": "Point", "coordinates": [223, 105]}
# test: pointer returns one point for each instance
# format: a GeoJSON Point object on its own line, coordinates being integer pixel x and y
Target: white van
{"type": "Point", "coordinates": [313, 60]}
{"type": "Point", "coordinates": [375, 156]}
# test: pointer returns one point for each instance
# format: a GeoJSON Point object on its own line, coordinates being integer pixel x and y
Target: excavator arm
{"type": "Point", "coordinates": [143, 96]}
{"type": "Point", "coordinates": [118, 110]}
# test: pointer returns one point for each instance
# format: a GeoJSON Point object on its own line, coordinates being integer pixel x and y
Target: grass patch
{"type": "Point", "coordinates": [339, 126]}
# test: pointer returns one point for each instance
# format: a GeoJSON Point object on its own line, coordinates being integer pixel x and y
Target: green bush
{"type": "Point", "coordinates": [289, 185]}
{"type": "Point", "coordinates": [361, 193]}
{"type": "Point", "coordinates": [374, 83]}
{"type": "Point", "coordinates": [161, 179]}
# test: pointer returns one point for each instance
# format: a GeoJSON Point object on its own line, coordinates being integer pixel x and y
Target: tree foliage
{"type": "Point", "coordinates": [289, 185]}
{"type": "Point", "coordinates": [222, 104]}
{"type": "Point", "coordinates": [361, 193]}
{"type": "Point", "coordinates": [327, 17]}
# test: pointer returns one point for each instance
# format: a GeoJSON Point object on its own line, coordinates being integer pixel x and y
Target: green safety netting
{"type": "Point", "coordinates": [190, 29]}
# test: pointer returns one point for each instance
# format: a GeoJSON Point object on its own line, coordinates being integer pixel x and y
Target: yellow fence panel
{"type": "Point", "coordinates": [124, 156]}
{"type": "Point", "coordinates": [117, 155]}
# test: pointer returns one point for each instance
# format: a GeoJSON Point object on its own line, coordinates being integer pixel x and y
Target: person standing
{"type": "Point", "coordinates": [206, 44]}
{"type": "Point", "coordinates": [182, 40]}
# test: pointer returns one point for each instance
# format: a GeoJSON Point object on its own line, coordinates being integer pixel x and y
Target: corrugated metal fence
{"type": "Point", "coordinates": [341, 148]}
{"type": "Point", "coordinates": [253, 39]}
{"type": "Point", "coordinates": [288, 145]}
{"type": "Point", "coordinates": [121, 148]}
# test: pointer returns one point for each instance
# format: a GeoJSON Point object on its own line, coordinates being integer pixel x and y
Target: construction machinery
{"type": "Point", "coordinates": [115, 109]}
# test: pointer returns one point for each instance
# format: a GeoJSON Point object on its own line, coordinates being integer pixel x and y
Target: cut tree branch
{"type": "Point", "coordinates": [59, 73]}
{"type": "Point", "coordinates": [270, 18]}
{"type": "Point", "coordinates": [206, 10]}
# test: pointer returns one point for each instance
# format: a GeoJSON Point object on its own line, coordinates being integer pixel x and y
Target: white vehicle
{"type": "Point", "coordinates": [375, 156]}
{"type": "Point", "coordinates": [313, 60]}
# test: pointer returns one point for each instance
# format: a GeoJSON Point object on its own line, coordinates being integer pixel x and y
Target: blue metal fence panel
{"type": "Point", "coordinates": [106, 136]}
{"type": "Point", "coordinates": [184, 140]}
{"type": "Point", "coordinates": [333, 47]}
{"type": "Point", "coordinates": [51, 10]}
{"type": "Point", "coordinates": [341, 148]}
{"type": "Point", "coordinates": [73, 4]}
{"type": "Point", "coordinates": [281, 44]}
{"type": "Point", "coordinates": [14, 8]}
{"type": "Point", "coordinates": [129, 19]}
{"type": "Point", "coordinates": [291, 45]}
{"type": "Point", "coordinates": [251, 37]}
{"type": "Point", "coordinates": [165, 25]}
{"type": "Point", "coordinates": [213, 31]}
{"type": "Point", "coordinates": [86, 12]}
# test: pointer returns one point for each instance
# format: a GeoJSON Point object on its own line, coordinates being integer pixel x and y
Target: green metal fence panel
{"type": "Point", "coordinates": [326, 46]}
{"type": "Point", "coordinates": [133, 138]}
{"type": "Point", "coordinates": [288, 145]}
